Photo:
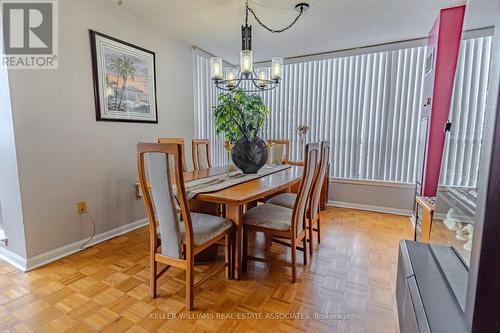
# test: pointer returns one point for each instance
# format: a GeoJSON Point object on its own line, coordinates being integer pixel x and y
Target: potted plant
{"type": "Point", "coordinates": [239, 117]}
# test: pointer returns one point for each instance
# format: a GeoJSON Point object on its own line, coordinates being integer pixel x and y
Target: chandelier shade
{"type": "Point", "coordinates": [230, 77]}
{"type": "Point", "coordinates": [276, 68]}
{"type": "Point", "coordinates": [216, 68]}
{"type": "Point", "coordinates": [246, 61]}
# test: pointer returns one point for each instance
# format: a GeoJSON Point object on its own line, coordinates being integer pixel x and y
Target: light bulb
{"type": "Point", "coordinates": [262, 75]}
{"type": "Point", "coordinates": [230, 77]}
{"type": "Point", "coordinates": [246, 61]}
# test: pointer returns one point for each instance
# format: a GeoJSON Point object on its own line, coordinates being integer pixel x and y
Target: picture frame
{"type": "Point", "coordinates": [124, 78]}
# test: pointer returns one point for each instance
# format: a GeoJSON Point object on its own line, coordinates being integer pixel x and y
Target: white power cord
{"type": "Point", "coordinates": [3, 237]}
{"type": "Point", "coordinates": [93, 231]}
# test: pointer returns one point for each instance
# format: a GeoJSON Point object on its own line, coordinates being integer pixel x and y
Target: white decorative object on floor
{"type": "Point", "coordinates": [470, 230]}
{"type": "Point", "coordinates": [462, 233]}
{"type": "Point", "coordinates": [451, 222]}
{"type": "Point", "coordinates": [468, 246]}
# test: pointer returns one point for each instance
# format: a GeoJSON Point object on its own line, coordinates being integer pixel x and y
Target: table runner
{"type": "Point", "coordinates": [225, 180]}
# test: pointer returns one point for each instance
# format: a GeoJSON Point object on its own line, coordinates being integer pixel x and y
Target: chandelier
{"type": "Point", "coordinates": [259, 80]}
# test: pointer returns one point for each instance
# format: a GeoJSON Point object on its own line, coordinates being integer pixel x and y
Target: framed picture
{"type": "Point", "coordinates": [124, 80]}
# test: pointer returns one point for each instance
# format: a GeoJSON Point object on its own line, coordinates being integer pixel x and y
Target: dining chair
{"type": "Point", "coordinates": [179, 141]}
{"type": "Point", "coordinates": [282, 222]}
{"type": "Point", "coordinates": [176, 235]}
{"type": "Point", "coordinates": [313, 210]}
{"type": "Point", "coordinates": [279, 151]}
{"type": "Point", "coordinates": [201, 154]}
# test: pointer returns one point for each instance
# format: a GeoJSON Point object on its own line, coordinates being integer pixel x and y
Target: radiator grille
{"type": "Point", "coordinates": [418, 222]}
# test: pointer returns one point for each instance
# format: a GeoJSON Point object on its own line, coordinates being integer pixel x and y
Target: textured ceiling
{"type": "Point", "coordinates": [214, 25]}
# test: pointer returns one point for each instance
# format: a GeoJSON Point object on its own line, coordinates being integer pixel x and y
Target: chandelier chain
{"type": "Point", "coordinates": [248, 9]}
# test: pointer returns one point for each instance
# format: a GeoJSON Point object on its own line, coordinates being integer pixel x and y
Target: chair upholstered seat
{"type": "Point", "coordinates": [269, 216]}
{"type": "Point", "coordinates": [205, 227]}
{"type": "Point", "coordinates": [284, 200]}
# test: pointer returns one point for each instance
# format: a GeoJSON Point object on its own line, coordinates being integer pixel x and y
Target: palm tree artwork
{"type": "Point", "coordinates": [124, 69]}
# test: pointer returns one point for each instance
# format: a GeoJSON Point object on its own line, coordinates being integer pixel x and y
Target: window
{"type": "Point", "coordinates": [366, 105]}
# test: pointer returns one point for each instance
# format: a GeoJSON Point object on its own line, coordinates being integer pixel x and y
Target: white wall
{"type": "Point", "coordinates": [11, 217]}
{"type": "Point", "coordinates": [387, 197]}
{"type": "Point", "coordinates": [64, 155]}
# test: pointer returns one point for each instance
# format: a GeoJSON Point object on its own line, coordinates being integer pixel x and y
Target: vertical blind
{"type": "Point", "coordinates": [205, 97]}
{"type": "Point", "coordinates": [368, 107]}
{"type": "Point", "coordinates": [463, 144]}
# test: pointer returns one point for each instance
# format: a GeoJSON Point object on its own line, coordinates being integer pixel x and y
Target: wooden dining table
{"type": "Point", "coordinates": [238, 197]}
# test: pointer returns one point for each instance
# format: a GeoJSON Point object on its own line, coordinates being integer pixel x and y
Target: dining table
{"type": "Point", "coordinates": [239, 197]}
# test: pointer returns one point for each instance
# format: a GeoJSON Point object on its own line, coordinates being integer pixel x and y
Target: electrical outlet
{"type": "Point", "coordinates": [82, 207]}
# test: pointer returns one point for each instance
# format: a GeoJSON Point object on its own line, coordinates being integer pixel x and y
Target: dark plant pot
{"type": "Point", "coordinates": [249, 156]}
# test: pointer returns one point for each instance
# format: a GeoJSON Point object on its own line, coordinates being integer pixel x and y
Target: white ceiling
{"type": "Point", "coordinates": [215, 25]}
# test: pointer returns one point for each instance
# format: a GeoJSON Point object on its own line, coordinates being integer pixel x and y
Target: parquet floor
{"type": "Point", "coordinates": [348, 287]}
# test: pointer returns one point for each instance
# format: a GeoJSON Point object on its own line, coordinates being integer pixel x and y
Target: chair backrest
{"type": "Point", "coordinates": [308, 175]}
{"type": "Point", "coordinates": [165, 197]}
{"type": "Point", "coordinates": [201, 154]}
{"type": "Point", "coordinates": [179, 141]}
{"type": "Point", "coordinates": [279, 151]}
{"type": "Point", "coordinates": [320, 178]}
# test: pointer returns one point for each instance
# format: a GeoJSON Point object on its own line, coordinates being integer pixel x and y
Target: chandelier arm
{"type": "Point", "coordinates": [255, 84]}
{"type": "Point", "coordinates": [270, 86]}
{"type": "Point", "coordinates": [267, 81]}
{"type": "Point", "coordinates": [225, 88]}
{"type": "Point", "coordinates": [267, 88]}
{"type": "Point", "coordinates": [254, 90]}
{"type": "Point", "coordinates": [248, 9]}
{"type": "Point", "coordinates": [238, 83]}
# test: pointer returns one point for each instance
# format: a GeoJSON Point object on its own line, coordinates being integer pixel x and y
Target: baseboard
{"type": "Point", "coordinates": [379, 209]}
{"type": "Point", "coordinates": [66, 250]}
{"type": "Point", "coordinates": [14, 259]}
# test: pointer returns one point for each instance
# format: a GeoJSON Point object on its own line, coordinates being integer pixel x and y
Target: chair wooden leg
{"type": "Point", "coordinates": [153, 267]}
{"type": "Point", "coordinates": [293, 248]}
{"type": "Point", "coordinates": [227, 255]}
{"type": "Point", "coordinates": [184, 251]}
{"type": "Point", "coordinates": [310, 237]}
{"type": "Point", "coordinates": [268, 241]}
{"type": "Point", "coordinates": [190, 281]}
{"type": "Point", "coordinates": [318, 222]}
{"type": "Point", "coordinates": [244, 260]}
{"type": "Point", "coordinates": [304, 244]}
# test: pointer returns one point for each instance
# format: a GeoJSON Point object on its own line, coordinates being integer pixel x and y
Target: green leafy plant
{"type": "Point", "coordinates": [239, 114]}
